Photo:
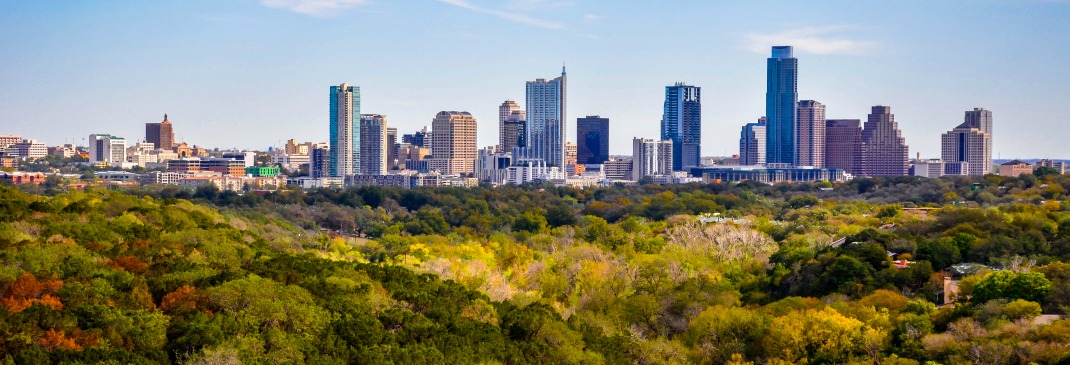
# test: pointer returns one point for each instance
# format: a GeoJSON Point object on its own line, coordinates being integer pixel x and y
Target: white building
{"type": "Point", "coordinates": [651, 157]}
{"type": "Point", "coordinates": [526, 171]}
{"type": "Point", "coordinates": [970, 143]}
{"type": "Point", "coordinates": [30, 148]}
{"type": "Point", "coordinates": [373, 149]}
{"type": "Point", "coordinates": [107, 148]}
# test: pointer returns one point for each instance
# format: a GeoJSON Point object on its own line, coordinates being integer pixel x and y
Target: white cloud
{"type": "Point", "coordinates": [815, 40]}
{"type": "Point", "coordinates": [507, 15]}
{"type": "Point", "coordinates": [591, 18]}
{"type": "Point", "coordinates": [314, 7]}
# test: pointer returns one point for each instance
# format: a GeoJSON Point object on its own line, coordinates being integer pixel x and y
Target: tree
{"type": "Point", "coordinates": [1006, 284]}
{"type": "Point", "coordinates": [820, 336]}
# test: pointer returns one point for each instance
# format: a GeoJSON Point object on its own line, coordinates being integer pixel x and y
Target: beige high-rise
{"type": "Point", "coordinates": [810, 134]}
{"type": "Point", "coordinates": [970, 142]}
{"type": "Point", "coordinates": [453, 143]}
{"type": "Point", "coordinates": [373, 149]}
{"type": "Point", "coordinates": [508, 127]}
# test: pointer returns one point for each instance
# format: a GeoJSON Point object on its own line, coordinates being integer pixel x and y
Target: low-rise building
{"type": "Point", "coordinates": [160, 177]}
{"type": "Point", "coordinates": [30, 149]}
{"type": "Point", "coordinates": [1059, 166]}
{"type": "Point", "coordinates": [767, 175]}
{"type": "Point", "coordinates": [306, 182]}
{"type": "Point", "coordinates": [258, 171]}
{"type": "Point", "coordinates": [118, 176]}
{"type": "Point", "coordinates": [617, 169]}
{"type": "Point", "coordinates": [20, 177]}
{"type": "Point", "coordinates": [1015, 168]}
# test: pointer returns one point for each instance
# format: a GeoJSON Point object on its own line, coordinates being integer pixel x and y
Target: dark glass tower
{"type": "Point", "coordinates": [682, 123]}
{"type": "Point", "coordinates": [592, 140]}
{"type": "Point", "coordinates": [781, 103]}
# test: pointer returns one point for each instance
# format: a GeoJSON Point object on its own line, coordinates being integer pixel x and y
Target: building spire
{"type": "Point", "coordinates": [562, 68]}
{"type": "Point", "coordinates": [165, 117]}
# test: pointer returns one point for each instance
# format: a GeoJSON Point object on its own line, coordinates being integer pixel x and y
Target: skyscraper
{"type": "Point", "coordinates": [545, 105]}
{"type": "Point", "coordinates": [885, 152]}
{"type": "Point", "coordinates": [843, 145]}
{"type": "Point", "coordinates": [391, 148]}
{"type": "Point", "coordinates": [422, 138]}
{"type": "Point", "coordinates": [682, 123]}
{"type": "Point", "coordinates": [979, 118]}
{"type": "Point", "coordinates": [453, 143]}
{"type": "Point", "coordinates": [592, 139]}
{"type": "Point", "coordinates": [512, 131]}
{"type": "Point", "coordinates": [781, 101]}
{"type": "Point", "coordinates": [107, 148]}
{"type": "Point", "coordinates": [373, 150]}
{"type": "Point", "coordinates": [507, 133]}
{"type": "Point", "coordinates": [810, 134]}
{"type": "Point", "coordinates": [319, 158]}
{"type": "Point", "coordinates": [970, 142]}
{"type": "Point", "coordinates": [752, 143]}
{"type": "Point", "coordinates": [345, 133]}
{"type": "Point", "coordinates": [161, 135]}
{"type": "Point", "coordinates": [651, 157]}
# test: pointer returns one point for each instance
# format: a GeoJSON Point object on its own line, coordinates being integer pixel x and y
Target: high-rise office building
{"type": "Point", "coordinates": [970, 142]}
{"type": "Point", "coordinates": [345, 131]}
{"type": "Point", "coordinates": [570, 153]}
{"type": "Point", "coordinates": [843, 145]}
{"type": "Point", "coordinates": [453, 143]}
{"type": "Point", "coordinates": [107, 148]}
{"type": "Point", "coordinates": [885, 152]}
{"type": "Point", "coordinates": [651, 157]}
{"type": "Point", "coordinates": [810, 134]}
{"type": "Point", "coordinates": [373, 149]}
{"type": "Point", "coordinates": [504, 110]}
{"type": "Point", "coordinates": [592, 140]}
{"type": "Point", "coordinates": [545, 105]}
{"type": "Point", "coordinates": [512, 131]}
{"type": "Point", "coordinates": [422, 138]}
{"type": "Point", "coordinates": [682, 123]}
{"type": "Point", "coordinates": [781, 101]}
{"type": "Point", "coordinates": [161, 135]}
{"type": "Point", "coordinates": [979, 118]}
{"type": "Point", "coordinates": [319, 158]}
{"type": "Point", "coordinates": [391, 148]}
{"type": "Point", "coordinates": [752, 143]}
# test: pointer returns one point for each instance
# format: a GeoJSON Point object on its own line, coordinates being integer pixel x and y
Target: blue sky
{"type": "Point", "coordinates": [251, 74]}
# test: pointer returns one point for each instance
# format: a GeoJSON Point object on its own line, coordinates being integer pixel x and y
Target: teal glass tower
{"type": "Point", "coordinates": [781, 107]}
{"type": "Point", "coordinates": [345, 131]}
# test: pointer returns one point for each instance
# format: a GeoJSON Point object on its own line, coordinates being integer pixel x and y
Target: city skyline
{"type": "Point", "coordinates": [847, 63]}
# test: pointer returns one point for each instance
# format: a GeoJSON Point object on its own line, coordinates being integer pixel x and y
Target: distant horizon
{"type": "Point", "coordinates": [251, 75]}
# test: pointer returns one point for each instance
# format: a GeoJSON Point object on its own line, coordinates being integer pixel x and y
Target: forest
{"type": "Point", "coordinates": [741, 273]}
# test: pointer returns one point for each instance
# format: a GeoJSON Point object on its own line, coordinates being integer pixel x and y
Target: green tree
{"type": "Point", "coordinates": [1006, 284]}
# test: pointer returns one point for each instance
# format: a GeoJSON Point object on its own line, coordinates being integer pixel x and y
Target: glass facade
{"type": "Point", "coordinates": [592, 140]}
{"type": "Point", "coordinates": [345, 132]}
{"type": "Point", "coordinates": [682, 123]}
{"type": "Point", "coordinates": [781, 103]}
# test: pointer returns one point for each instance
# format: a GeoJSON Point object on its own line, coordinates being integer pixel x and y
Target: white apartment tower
{"type": "Point", "coordinates": [373, 144]}
{"type": "Point", "coordinates": [651, 157]}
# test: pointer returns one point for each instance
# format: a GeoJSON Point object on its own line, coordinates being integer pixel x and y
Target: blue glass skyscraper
{"type": "Point", "coordinates": [682, 123]}
{"type": "Point", "coordinates": [345, 131]}
{"type": "Point", "coordinates": [781, 106]}
{"type": "Point", "coordinates": [546, 119]}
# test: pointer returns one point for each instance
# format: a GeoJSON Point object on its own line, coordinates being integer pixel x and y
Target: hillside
{"type": "Point", "coordinates": [780, 274]}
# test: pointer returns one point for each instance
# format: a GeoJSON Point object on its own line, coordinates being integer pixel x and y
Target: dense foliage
{"type": "Point", "coordinates": [792, 273]}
